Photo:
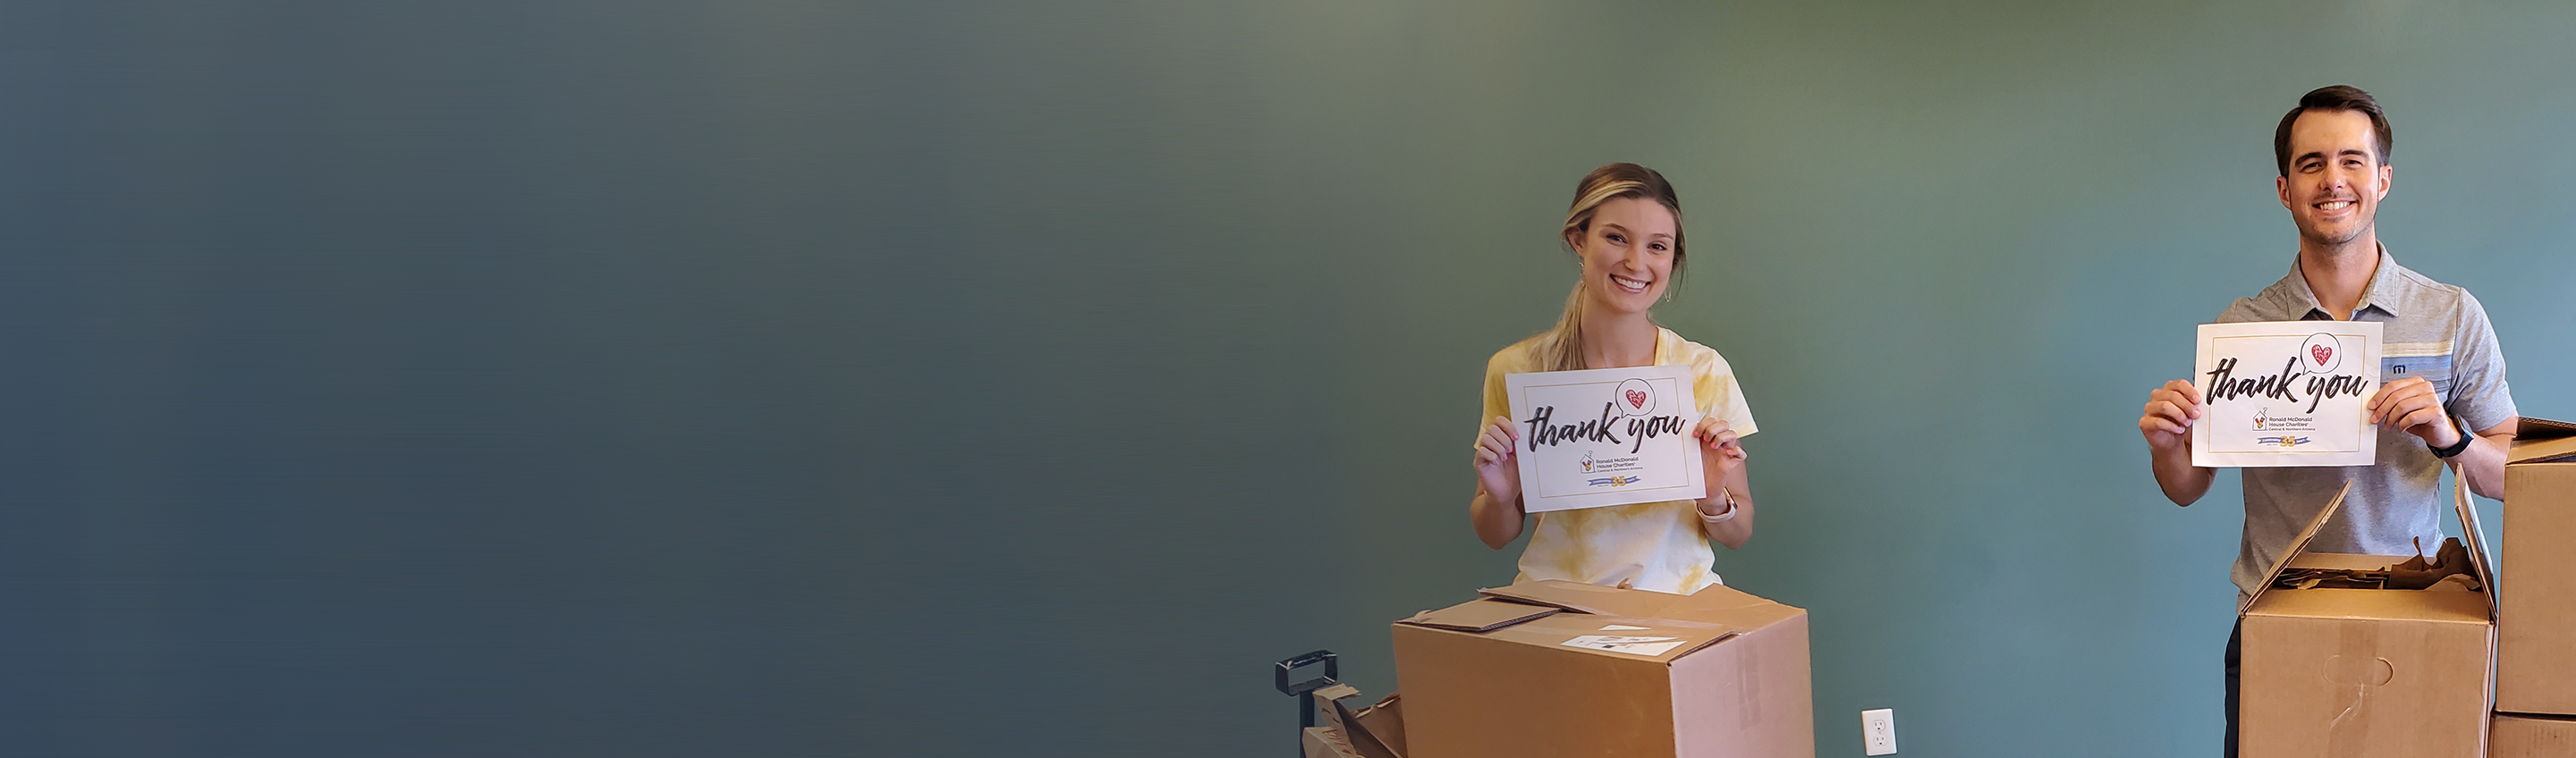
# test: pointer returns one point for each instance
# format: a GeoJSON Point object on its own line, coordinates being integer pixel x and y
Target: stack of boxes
{"type": "Point", "coordinates": [2443, 671]}
{"type": "Point", "coordinates": [2536, 626]}
{"type": "Point", "coordinates": [2346, 671]}
{"type": "Point", "coordinates": [2366, 671]}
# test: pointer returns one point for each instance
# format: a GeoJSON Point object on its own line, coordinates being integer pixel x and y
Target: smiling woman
{"type": "Point", "coordinates": [1624, 228]}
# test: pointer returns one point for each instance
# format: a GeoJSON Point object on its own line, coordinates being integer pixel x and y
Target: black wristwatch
{"type": "Point", "coordinates": [2457, 447]}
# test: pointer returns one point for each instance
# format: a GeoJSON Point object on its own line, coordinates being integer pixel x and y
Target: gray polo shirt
{"type": "Point", "coordinates": [2429, 329]}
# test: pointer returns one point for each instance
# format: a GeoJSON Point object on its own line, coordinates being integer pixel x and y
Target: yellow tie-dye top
{"type": "Point", "coordinates": [1652, 546]}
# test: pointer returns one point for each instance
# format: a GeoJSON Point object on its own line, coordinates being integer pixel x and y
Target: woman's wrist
{"type": "Point", "coordinates": [1724, 496]}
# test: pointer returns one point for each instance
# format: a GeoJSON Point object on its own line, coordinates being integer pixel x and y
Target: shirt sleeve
{"type": "Point", "coordinates": [1498, 402]}
{"type": "Point", "coordinates": [1719, 394]}
{"type": "Point", "coordinates": [2239, 312]}
{"type": "Point", "coordinates": [2479, 395]}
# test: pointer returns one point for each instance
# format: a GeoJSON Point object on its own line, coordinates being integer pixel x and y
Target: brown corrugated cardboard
{"type": "Point", "coordinates": [1372, 731]}
{"type": "Point", "coordinates": [2536, 620]}
{"type": "Point", "coordinates": [2366, 673]}
{"type": "Point", "coordinates": [2531, 737]}
{"type": "Point", "coordinates": [1323, 742]}
{"type": "Point", "coordinates": [1618, 672]}
{"type": "Point", "coordinates": [1480, 615]}
{"type": "Point", "coordinates": [2540, 439]}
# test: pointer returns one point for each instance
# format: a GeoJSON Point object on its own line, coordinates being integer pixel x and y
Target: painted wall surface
{"type": "Point", "coordinates": [780, 378]}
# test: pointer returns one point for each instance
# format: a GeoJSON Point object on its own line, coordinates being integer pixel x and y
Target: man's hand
{"type": "Point", "coordinates": [2410, 405]}
{"type": "Point", "coordinates": [2170, 412]}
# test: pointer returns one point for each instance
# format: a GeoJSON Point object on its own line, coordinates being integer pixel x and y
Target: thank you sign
{"type": "Point", "coordinates": [2286, 393]}
{"type": "Point", "coordinates": [1605, 437]}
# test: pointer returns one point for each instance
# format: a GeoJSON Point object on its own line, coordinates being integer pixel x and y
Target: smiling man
{"type": "Point", "coordinates": [2442, 394]}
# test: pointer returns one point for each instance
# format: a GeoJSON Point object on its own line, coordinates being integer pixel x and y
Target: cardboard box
{"type": "Point", "coordinates": [2536, 589]}
{"type": "Point", "coordinates": [1323, 742]}
{"type": "Point", "coordinates": [2367, 673]}
{"type": "Point", "coordinates": [1559, 669]}
{"type": "Point", "coordinates": [1369, 731]}
{"type": "Point", "coordinates": [2531, 737]}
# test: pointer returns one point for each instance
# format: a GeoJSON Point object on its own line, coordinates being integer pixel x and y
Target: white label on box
{"type": "Point", "coordinates": [1631, 645]}
{"type": "Point", "coordinates": [1623, 628]}
{"type": "Point", "coordinates": [1605, 437]}
{"type": "Point", "coordinates": [2286, 393]}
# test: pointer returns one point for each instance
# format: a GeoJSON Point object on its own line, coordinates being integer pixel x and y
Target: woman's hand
{"type": "Point", "coordinates": [1495, 512]}
{"type": "Point", "coordinates": [1721, 457]}
{"type": "Point", "coordinates": [1720, 453]}
{"type": "Point", "coordinates": [1495, 468]}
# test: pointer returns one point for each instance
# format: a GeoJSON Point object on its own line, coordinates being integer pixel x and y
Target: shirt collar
{"type": "Point", "coordinates": [2381, 294]}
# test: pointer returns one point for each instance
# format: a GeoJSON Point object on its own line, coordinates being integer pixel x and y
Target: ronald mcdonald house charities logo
{"type": "Point", "coordinates": [2263, 419]}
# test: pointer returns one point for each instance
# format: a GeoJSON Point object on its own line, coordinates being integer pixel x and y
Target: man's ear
{"type": "Point", "coordinates": [2281, 185]}
{"type": "Point", "coordinates": [2386, 172]}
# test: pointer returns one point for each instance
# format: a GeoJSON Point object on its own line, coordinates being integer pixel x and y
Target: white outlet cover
{"type": "Point", "coordinates": [1878, 731]}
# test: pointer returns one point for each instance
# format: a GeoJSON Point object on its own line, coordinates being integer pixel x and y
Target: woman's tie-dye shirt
{"type": "Point", "coordinates": [1652, 546]}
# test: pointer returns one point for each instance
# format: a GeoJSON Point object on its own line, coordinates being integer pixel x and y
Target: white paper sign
{"type": "Point", "coordinates": [1630, 645]}
{"type": "Point", "coordinates": [1605, 437]}
{"type": "Point", "coordinates": [2286, 393]}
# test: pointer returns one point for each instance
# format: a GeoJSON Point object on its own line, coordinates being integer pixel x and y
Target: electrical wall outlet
{"type": "Point", "coordinates": [1878, 732]}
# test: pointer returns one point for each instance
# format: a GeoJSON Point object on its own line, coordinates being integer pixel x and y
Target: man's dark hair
{"type": "Point", "coordinates": [2339, 97]}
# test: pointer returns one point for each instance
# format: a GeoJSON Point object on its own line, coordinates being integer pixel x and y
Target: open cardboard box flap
{"type": "Point", "coordinates": [2474, 537]}
{"type": "Point", "coordinates": [1373, 731]}
{"type": "Point", "coordinates": [2297, 545]}
{"type": "Point", "coordinates": [2539, 439]}
{"type": "Point", "coordinates": [1480, 615]}
{"type": "Point", "coordinates": [1597, 620]}
{"type": "Point", "coordinates": [2471, 538]}
{"type": "Point", "coordinates": [1716, 603]}
{"type": "Point", "coordinates": [1617, 636]}
{"type": "Point", "coordinates": [1585, 598]}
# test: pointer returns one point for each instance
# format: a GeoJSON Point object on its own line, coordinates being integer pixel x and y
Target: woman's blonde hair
{"type": "Point", "coordinates": [1562, 349]}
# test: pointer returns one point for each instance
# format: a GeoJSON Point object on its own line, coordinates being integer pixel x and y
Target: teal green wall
{"type": "Point", "coordinates": [782, 378]}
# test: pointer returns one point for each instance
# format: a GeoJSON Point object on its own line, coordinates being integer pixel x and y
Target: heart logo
{"type": "Point", "coordinates": [2321, 353]}
{"type": "Point", "coordinates": [1636, 399]}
